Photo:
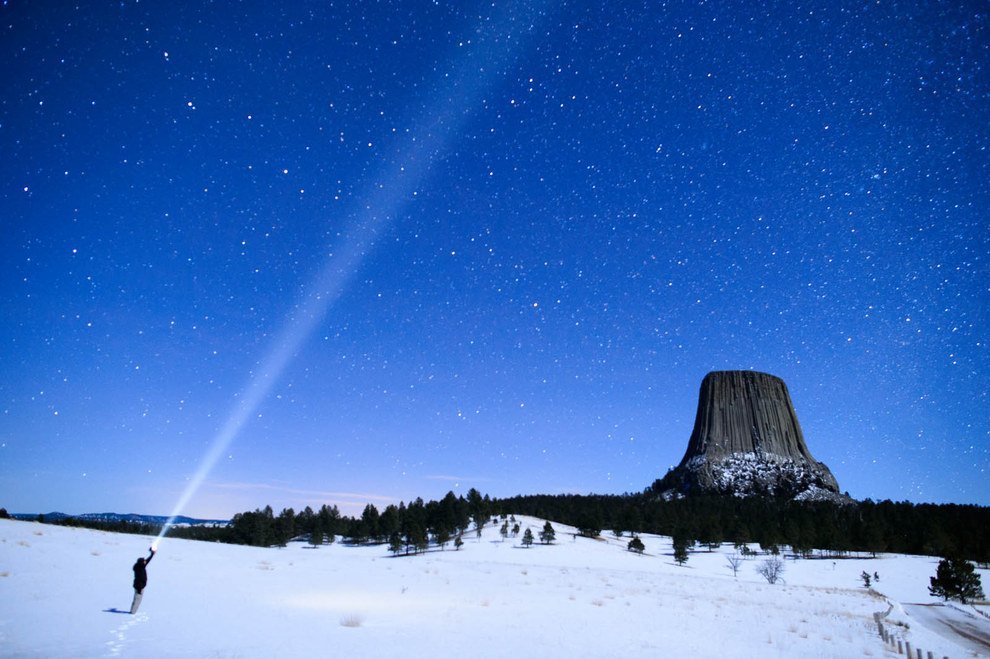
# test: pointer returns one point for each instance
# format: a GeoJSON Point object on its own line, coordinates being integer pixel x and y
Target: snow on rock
{"type": "Point", "coordinates": [747, 441]}
{"type": "Point", "coordinates": [749, 474]}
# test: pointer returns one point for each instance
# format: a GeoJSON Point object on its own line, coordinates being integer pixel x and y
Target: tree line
{"type": "Point", "coordinates": [804, 526]}
{"type": "Point", "coordinates": [410, 526]}
{"type": "Point", "coordinates": [836, 528]}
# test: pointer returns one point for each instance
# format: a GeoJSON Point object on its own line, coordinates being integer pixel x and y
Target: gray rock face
{"type": "Point", "coordinates": [747, 441]}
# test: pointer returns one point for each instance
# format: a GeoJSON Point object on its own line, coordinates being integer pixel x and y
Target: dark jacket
{"type": "Point", "coordinates": [140, 575]}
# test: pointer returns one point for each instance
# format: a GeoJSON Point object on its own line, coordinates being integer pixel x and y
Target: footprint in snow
{"type": "Point", "coordinates": [116, 645]}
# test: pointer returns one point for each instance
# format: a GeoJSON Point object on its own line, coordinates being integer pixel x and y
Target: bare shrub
{"type": "Point", "coordinates": [735, 561]}
{"type": "Point", "coordinates": [351, 620]}
{"type": "Point", "coordinates": [771, 569]}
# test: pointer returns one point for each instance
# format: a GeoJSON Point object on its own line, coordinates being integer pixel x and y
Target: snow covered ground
{"type": "Point", "coordinates": [62, 590]}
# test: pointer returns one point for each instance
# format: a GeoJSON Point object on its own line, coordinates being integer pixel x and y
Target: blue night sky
{"type": "Point", "coordinates": [369, 251]}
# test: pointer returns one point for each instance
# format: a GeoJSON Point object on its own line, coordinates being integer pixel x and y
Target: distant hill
{"type": "Point", "coordinates": [157, 520]}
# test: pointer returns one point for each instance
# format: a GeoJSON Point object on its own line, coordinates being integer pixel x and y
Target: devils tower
{"type": "Point", "coordinates": [747, 441]}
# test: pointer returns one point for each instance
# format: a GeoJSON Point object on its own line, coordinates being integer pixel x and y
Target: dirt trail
{"type": "Point", "coordinates": [966, 629]}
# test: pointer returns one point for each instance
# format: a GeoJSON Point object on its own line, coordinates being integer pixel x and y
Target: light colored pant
{"type": "Point", "coordinates": [137, 601]}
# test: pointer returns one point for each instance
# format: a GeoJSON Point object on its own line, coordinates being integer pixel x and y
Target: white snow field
{"type": "Point", "coordinates": [62, 592]}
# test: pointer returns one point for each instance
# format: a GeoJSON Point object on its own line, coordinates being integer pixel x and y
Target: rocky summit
{"type": "Point", "coordinates": [747, 442]}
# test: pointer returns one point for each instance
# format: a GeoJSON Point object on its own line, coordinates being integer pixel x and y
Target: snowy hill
{"type": "Point", "coordinates": [63, 590]}
{"type": "Point", "coordinates": [123, 517]}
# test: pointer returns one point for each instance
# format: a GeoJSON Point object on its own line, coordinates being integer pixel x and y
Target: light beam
{"type": "Point", "coordinates": [453, 97]}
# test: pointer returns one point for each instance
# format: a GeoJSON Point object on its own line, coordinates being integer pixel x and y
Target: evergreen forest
{"type": "Point", "coordinates": [804, 528]}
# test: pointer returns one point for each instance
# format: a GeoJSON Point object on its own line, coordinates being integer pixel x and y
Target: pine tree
{"type": "Point", "coordinates": [416, 538]}
{"type": "Point", "coordinates": [395, 543]}
{"type": "Point", "coordinates": [590, 523]}
{"type": "Point", "coordinates": [316, 537]}
{"type": "Point", "coordinates": [458, 542]}
{"type": "Point", "coordinates": [636, 545]}
{"type": "Point", "coordinates": [285, 527]}
{"type": "Point", "coordinates": [370, 519]}
{"type": "Point", "coordinates": [681, 543]}
{"type": "Point", "coordinates": [709, 535]}
{"type": "Point", "coordinates": [632, 520]}
{"type": "Point", "coordinates": [389, 522]}
{"type": "Point", "coordinates": [527, 538]}
{"type": "Point", "coordinates": [477, 507]}
{"type": "Point", "coordinates": [449, 513]}
{"type": "Point", "coordinates": [547, 535]}
{"type": "Point", "coordinates": [955, 578]}
{"type": "Point", "coordinates": [422, 542]}
{"type": "Point", "coordinates": [328, 516]}
{"type": "Point", "coordinates": [304, 521]}
{"type": "Point", "coordinates": [504, 531]}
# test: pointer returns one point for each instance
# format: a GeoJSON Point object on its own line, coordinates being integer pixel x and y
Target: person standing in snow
{"type": "Point", "coordinates": [141, 579]}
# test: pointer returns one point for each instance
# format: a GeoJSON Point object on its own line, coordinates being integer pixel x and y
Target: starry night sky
{"type": "Point", "coordinates": [497, 244]}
